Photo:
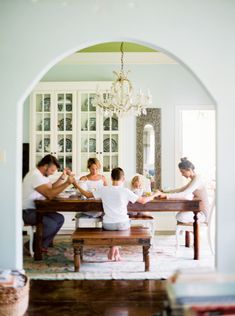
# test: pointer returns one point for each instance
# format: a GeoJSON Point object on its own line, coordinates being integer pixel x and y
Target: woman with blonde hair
{"type": "Point", "coordinates": [93, 181]}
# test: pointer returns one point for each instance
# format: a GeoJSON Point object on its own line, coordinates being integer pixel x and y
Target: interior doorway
{"type": "Point", "coordinates": [197, 142]}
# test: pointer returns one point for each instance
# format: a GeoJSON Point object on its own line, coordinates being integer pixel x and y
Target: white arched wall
{"type": "Point", "coordinates": [36, 34]}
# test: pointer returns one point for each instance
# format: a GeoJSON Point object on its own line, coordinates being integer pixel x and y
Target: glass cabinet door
{"type": "Point", "coordinates": [110, 143]}
{"type": "Point", "coordinates": [64, 119]}
{"type": "Point", "coordinates": [42, 127]}
{"type": "Point", "coordinates": [87, 130]}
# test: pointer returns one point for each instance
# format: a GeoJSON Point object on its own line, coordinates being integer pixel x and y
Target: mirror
{"type": "Point", "coordinates": [148, 146]}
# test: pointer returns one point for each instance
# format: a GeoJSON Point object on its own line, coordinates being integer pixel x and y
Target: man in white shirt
{"type": "Point", "coordinates": [115, 199]}
{"type": "Point", "coordinates": [36, 185]}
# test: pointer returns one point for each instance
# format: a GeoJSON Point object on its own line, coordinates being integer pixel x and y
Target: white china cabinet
{"type": "Point", "coordinates": [65, 123]}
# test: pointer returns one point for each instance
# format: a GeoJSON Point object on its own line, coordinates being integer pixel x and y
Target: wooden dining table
{"type": "Point", "coordinates": [76, 204]}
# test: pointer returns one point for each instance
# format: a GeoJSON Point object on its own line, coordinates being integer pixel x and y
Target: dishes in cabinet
{"type": "Point", "coordinates": [68, 104]}
{"type": "Point", "coordinates": [45, 125]}
{"type": "Point", "coordinates": [60, 106]}
{"type": "Point", "coordinates": [84, 106]}
{"type": "Point", "coordinates": [92, 145]}
{"type": "Point", "coordinates": [68, 124]}
{"type": "Point", "coordinates": [106, 145]}
{"type": "Point", "coordinates": [92, 126]}
{"type": "Point", "coordinates": [114, 124]}
{"type": "Point", "coordinates": [68, 145]}
{"type": "Point", "coordinates": [47, 143]}
{"type": "Point", "coordinates": [91, 102]}
{"type": "Point", "coordinates": [46, 103]}
{"type": "Point", "coordinates": [92, 123]}
{"type": "Point", "coordinates": [84, 126]}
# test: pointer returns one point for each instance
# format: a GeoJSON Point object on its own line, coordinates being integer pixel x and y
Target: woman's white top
{"type": "Point", "coordinates": [194, 189]}
{"type": "Point", "coordinates": [91, 185]}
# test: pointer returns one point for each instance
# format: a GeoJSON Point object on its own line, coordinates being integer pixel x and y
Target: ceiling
{"type": "Point", "coordinates": [115, 47]}
{"type": "Point", "coordinates": [109, 53]}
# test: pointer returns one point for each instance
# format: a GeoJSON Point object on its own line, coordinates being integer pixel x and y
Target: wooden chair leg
{"type": "Point", "coordinates": [77, 259]}
{"type": "Point", "coordinates": [146, 257]}
{"type": "Point", "coordinates": [81, 253]}
{"type": "Point", "coordinates": [187, 239]}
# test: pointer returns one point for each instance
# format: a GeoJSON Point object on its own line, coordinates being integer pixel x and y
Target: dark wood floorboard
{"type": "Point", "coordinates": [97, 297]}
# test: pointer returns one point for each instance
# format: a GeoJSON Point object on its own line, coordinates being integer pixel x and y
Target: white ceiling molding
{"type": "Point", "coordinates": [142, 58]}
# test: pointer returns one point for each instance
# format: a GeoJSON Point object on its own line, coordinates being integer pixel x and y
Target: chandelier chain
{"type": "Point", "coordinates": [122, 54]}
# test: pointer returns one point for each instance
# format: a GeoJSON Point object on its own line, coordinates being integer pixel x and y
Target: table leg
{"type": "Point", "coordinates": [146, 257]}
{"type": "Point", "coordinates": [38, 241]}
{"type": "Point", "coordinates": [77, 259]}
{"type": "Point", "coordinates": [187, 239]}
{"type": "Point", "coordinates": [196, 236]}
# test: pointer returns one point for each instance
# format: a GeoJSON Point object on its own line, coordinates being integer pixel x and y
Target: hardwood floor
{"type": "Point", "coordinates": [97, 297]}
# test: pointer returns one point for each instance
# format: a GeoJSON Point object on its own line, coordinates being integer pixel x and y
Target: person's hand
{"type": "Point", "coordinates": [71, 180]}
{"type": "Point", "coordinates": [68, 172]}
{"type": "Point", "coordinates": [160, 194]}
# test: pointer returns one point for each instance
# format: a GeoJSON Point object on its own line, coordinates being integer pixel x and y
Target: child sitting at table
{"type": "Point", "coordinates": [138, 188]}
{"type": "Point", "coordinates": [137, 185]}
{"type": "Point", "coordinates": [115, 199]}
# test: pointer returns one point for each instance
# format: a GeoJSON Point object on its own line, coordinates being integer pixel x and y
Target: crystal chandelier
{"type": "Point", "coordinates": [120, 100]}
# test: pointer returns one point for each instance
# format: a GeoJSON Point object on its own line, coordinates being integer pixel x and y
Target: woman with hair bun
{"type": "Point", "coordinates": [195, 188]}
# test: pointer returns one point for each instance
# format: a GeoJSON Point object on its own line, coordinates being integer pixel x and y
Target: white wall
{"type": "Point", "coordinates": [36, 34]}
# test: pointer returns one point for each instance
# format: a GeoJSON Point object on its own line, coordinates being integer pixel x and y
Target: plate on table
{"type": "Point", "coordinates": [106, 145]}
{"type": "Point", "coordinates": [68, 124]}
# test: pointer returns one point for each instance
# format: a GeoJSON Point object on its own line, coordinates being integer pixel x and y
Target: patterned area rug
{"type": "Point", "coordinates": [164, 261]}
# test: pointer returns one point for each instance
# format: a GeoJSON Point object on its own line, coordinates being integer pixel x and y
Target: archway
{"type": "Point", "coordinates": [67, 54]}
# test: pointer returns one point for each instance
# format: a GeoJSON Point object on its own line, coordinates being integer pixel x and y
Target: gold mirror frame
{"type": "Point", "coordinates": [153, 117]}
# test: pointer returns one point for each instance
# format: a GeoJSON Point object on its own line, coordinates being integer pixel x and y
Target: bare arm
{"type": "Point", "coordinates": [105, 182]}
{"type": "Point", "coordinates": [146, 199]}
{"type": "Point", "coordinates": [66, 172]}
{"type": "Point", "coordinates": [193, 185]}
{"type": "Point", "coordinates": [50, 191]}
{"type": "Point", "coordinates": [178, 190]}
{"type": "Point", "coordinates": [87, 194]}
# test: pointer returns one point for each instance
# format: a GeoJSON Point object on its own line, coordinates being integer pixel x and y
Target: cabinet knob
{"type": "Point", "coordinates": [97, 152]}
{"type": "Point", "coordinates": [100, 152]}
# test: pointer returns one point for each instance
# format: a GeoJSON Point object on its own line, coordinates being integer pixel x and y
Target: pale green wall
{"type": "Point", "coordinates": [37, 34]}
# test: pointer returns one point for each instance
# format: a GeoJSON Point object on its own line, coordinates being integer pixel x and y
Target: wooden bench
{"type": "Point", "coordinates": [135, 236]}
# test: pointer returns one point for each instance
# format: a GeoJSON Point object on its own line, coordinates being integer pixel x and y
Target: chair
{"type": "Point", "coordinates": [145, 221]}
{"type": "Point", "coordinates": [30, 232]}
{"type": "Point", "coordinates": [188, 228]}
